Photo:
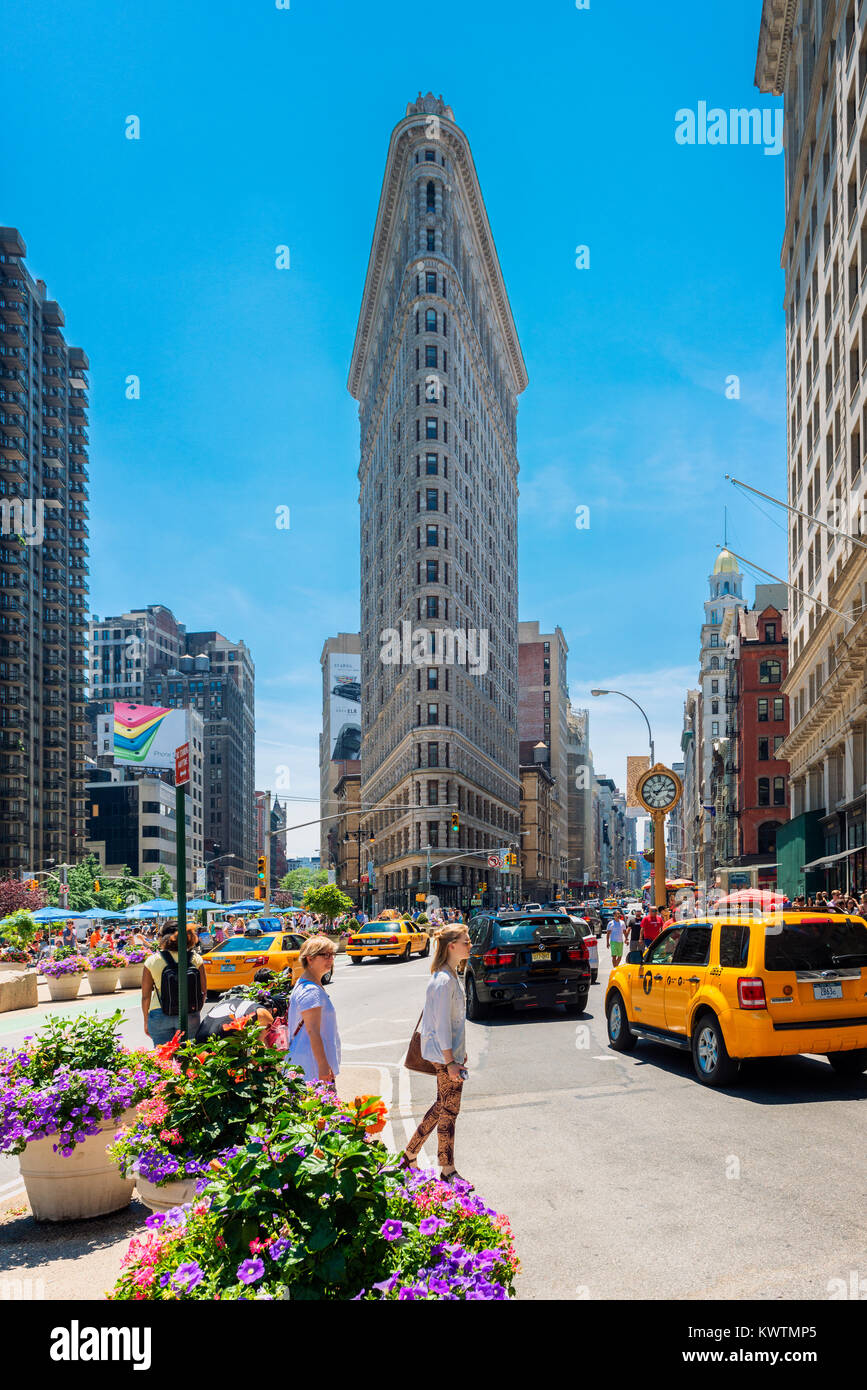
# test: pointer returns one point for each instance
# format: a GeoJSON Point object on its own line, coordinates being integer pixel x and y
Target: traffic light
{"type": "Point", "coordinates": [258, 893]}
{"type": "Point", "coordinates": [513, 858]}
{"type": "Point", "coordinates": [96, 887]}
{"type": "Point", "coordinates": [260, 868]}
{"type": "Point", "coordinates": [456, 821]}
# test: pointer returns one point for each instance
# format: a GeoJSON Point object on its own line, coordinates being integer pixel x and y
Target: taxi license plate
{"type": "Point", "coordinates": [828, 991]}
{"type": "Point", "coordinates": [224, 967]}
{"type": "Point", "coordinates": [541, 955]}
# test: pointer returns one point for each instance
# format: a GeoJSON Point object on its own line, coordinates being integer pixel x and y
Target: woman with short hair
{"type": "Point", "coordinates": [314, 1042]}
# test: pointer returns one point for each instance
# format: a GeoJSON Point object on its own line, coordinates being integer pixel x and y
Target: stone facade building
{"type": "Point", "coordinates": [437, 369]}
{"type": "Point", "coordinates": [818, 65]}
{"type": "Point", "coordinates": [543, 706]}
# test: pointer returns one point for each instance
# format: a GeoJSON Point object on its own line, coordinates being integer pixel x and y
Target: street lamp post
{"type": "Point", "coordinates": [624, 696]}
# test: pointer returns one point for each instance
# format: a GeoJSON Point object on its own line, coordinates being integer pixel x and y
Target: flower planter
{"type": "Point", "coordinates": [83, 1185]}
{"type": "Point", "coordinates": [167, 1195]}
{"type": "Point", "coordinates": [103, 981]}
{"type": "Point", "coordinates": [64, 986]}
{"type": "Point", "coordinates": [130, 976]}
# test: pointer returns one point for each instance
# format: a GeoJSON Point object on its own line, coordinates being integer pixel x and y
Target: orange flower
{"type": "Point", "coordinates": [318, 1153]}
{"type": "Point", "coordinates": [201, 1056]}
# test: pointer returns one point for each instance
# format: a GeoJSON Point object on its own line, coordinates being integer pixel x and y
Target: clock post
{"type": "Point", "coordinates": [659, 789]}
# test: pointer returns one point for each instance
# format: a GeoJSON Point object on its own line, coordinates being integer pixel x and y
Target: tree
{"type": "Point", "coordinates": [13, 896]}
{"type": "Point", "coordinates": [18, 929]}
{"type": "Point", "coordinates": [115, 894]}
{"type": "Point", "coordinates": [327, 901]}
{"type": "Point", "coordinates": [297, 881]}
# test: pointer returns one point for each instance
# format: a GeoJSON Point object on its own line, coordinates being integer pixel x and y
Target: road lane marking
{"type": "Point", "coordinates": [383, 1042]}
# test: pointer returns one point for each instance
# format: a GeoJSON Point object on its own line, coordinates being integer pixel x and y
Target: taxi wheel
{"type": "Point", "coordinates": [407, 953]}
{"type": "Point", "coordinates": [849, 1063]}
{"type": "Point", "coordinates": [425, 951]}
{"type": "Point", "coordinates": [620, 1036]}
{"type": "Point", "coordinates": [356, 960]}
{"type": "Point", "coordinates": [710, 1058]}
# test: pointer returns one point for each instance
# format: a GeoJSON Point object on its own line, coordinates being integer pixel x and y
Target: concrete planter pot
{"type": "Point", "coordinates": [103, 981]}
{"type": "Point", "coordinates": [85, 1184]}
{"type": "Point", "coordinates": [167, 1195]}
{"type": "Point", "coordinates": [64, 986]}
{"type": "Point", "coordinates": [130, 976]}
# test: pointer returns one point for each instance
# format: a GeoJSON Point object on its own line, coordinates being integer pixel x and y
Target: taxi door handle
{"type": "Point", "coordinates": [657, 977]}
{"type": "Point", "coordinates": [694, 980]}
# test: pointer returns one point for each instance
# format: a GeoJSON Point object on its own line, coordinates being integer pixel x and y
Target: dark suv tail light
{"type": "Point", "coordinates": [496, 957]}
{"type": "Point", "coordinates": [751, 993]}
{"type": "Point", "coordinates": [578, 952]}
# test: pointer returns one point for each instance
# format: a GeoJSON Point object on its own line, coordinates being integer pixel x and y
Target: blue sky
{"type": "Point", "coordinates": [262, 127]}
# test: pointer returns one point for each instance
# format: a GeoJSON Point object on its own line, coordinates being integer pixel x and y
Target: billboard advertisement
{"type": "Point", "coordinates": [635, 766]}
{"type": "Point", "coordinates": [344, 685]}
{"type": "Point", "coordinates": [147, 735]}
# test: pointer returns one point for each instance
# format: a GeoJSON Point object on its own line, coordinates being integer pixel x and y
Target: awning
{"type": "Point", "coordinates": [830, 858]}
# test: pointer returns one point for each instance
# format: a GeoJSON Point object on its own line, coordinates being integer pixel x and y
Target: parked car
{"type": "Point", "coordinates": [727, 989]}
{"type": "Point", "coordinates": [525, 960]}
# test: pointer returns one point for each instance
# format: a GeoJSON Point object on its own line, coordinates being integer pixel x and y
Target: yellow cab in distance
{"type": "Point", "coordinates": [237, 959]}
{"type": "Point", "coordinates": [733, 987]}
{"type": "Point", "coordinates": [397, 939]}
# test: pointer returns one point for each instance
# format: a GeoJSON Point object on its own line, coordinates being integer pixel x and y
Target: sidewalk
{"type": "Point", "coordinates": [80, 1260]}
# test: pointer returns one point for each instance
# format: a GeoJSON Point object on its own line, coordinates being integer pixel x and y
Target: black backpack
{"type": "Point", "coordinates": [168, 995]}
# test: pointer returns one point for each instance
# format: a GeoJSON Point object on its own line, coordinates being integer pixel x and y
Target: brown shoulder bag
{"type": "Point", "coordinates": [413, 1061]}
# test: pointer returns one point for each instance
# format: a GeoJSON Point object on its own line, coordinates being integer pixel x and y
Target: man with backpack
{"type": "Point", "coordinates": [160, 984]}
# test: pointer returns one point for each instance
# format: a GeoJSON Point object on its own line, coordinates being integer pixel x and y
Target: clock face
{"type": "Point", "coordinates": [659, 791]}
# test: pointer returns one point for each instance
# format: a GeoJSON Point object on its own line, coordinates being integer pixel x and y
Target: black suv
{"type": "Point", "coordinates": [529, 960]}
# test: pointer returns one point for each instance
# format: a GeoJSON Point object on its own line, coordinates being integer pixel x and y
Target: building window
{"type": "Point", "coordinates": [431, 355]}
{"type": "Point", "coordinates": [432, 568]}
{"type": "Point", "coordinates": [779, 791]}
{"type": "Point", "coordinates": [430, 320]}
{"type": "Point", "coordinates": [770, 632]}
{"type": "Point", "coordinates": [714, 687]}
{"type": "Point", "coordinates": [431, 499]}
{"type": "Point", "coordinates": [714, 706]}
{"type": "Point", "coordinates": [431, 463]}
{"type": "Point", "coordinates": [433, 606]}
{"type": "Point", "coordinates": [764, 798]}
{"type": "Point", "coordinates": [714, 639]}
{"type": "Point", "coordinates": [433, 678]}
{"type": "Point", "coordinates": [763, 711]}
{"type": "Point", "coordinates": [433, 714]}
{"type": "Point", "coordinates": [432, 534]}
{"type": "Point", "coordinates": [431, 196]}
{"type": "Point", "coordinates": [430, 282]}
{"type": "Point", "coordinates": [431, 239]}
{"type": "Point", "coordinates": [433, 833]}
{"type": "Point", "coordinates": [433, 793]}
{"type": "Point", "coordinates": [778, 743]}
{"type": "Point", "coordinates": [714, 728]}
{"type": "Point", "coordinates": [763, 750]}
{"type": "Point", "coordinates": [770, 673]}
{"type": "Point", "coordinates": [433, 755]}
{"type": "Point", "coordinates": [431, 431]}
{"type": "Point", "coordinates": [778, 710]}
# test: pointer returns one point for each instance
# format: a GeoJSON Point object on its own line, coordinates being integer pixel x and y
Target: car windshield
{"type": "Point", "coordinates": [528, 929]}
{"type": "Point", "coordinates": [378, 928]}
{"type": "Point", "coordinates": [242, 944]}
{"type": "Point", "coordinates": [815, 943]}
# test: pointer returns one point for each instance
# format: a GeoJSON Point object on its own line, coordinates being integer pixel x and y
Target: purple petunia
{"type": "Point", "coordinates": [250, 1271]}
{"type": "Point", "coordinates": [278, 1247]}
{"type": "Point", "coordinates": [431, 1224]}
{"type": "Point", "coordinates": [187, 1276]}
{"type": "Point", "coordinates": [391, 1230]}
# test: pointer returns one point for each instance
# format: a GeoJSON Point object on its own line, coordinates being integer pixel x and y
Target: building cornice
{"type": "Point", "coordinates": [775, 45]}
{"type": "Point", "coordinates": [457, 147]}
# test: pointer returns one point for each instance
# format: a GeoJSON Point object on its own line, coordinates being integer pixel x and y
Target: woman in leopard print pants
{"type": "Point", "coordinates": [443, 1043]}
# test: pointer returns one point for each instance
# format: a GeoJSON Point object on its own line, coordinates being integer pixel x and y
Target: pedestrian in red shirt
{"type": "Point", "coordinates": [651, 926]}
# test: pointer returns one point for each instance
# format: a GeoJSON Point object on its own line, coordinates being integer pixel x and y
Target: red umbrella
{"type": "Point", "coordinates": [766, 898]}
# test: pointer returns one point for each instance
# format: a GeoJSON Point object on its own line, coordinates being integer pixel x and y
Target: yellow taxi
{"type": "Point", "coordinates": [237, 959]}
{"type": "Point", "coordinates": [733, 987]}
{"type": "Point", "coordinates": [383, 938]}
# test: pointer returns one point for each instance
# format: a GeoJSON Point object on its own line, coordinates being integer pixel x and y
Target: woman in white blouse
{"type": "Point", "coordinates": [442, 1032]}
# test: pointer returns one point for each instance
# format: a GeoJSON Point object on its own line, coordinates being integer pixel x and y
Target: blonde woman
{"type": "Point", "coordinates": [314, 1042]}
{"type": "Point", "coordinates": [442, 1032]}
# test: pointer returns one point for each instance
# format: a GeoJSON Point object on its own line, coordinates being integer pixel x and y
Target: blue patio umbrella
{"type": "Point", "coordinates": [247, 906]}
{"type": "Point", "coordinates": [100, 914]}
{"type": "Point", "coordinates": [52, 914]}
{"type": "Point", "coordinates": [166, 906]}
{"type": "Point", "coordinates": [204, 905]}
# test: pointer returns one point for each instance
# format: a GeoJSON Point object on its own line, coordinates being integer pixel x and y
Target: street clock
{"type": "Point", "coordinates": [659, 790]}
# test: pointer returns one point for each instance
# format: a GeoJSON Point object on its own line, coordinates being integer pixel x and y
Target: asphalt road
{"type": "Point", "coordinates": [622, 1176]}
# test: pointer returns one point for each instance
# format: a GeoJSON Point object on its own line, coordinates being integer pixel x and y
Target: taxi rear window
{"type": "Point", "coordinates": [242, 945]}
{"type": "Point", "coordinates": [815, 943]}
{"type": "Point", "coordinates": [380, 928]}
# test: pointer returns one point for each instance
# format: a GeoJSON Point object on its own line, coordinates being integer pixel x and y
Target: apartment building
{"type": "Point", "coordinates": [43, 574]}
{"type": "Point", "coordinates": [543, 706]}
